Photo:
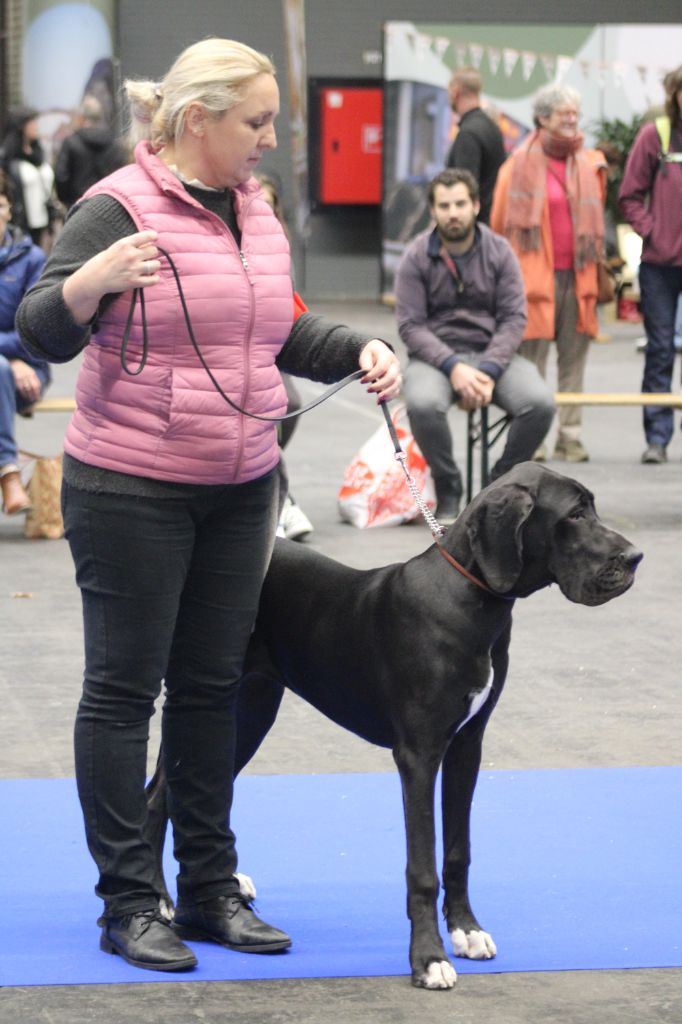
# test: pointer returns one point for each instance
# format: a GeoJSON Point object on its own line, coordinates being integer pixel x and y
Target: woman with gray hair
{"type": "Point", "coordinates": [549, 203]}
{"type": "Point", "coordinates": [169, 499]}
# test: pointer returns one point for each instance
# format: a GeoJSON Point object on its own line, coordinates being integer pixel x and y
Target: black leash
{"type": "Point", "coordinates": [356, 375]}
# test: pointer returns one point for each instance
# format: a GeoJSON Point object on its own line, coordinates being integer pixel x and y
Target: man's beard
{"type": "Point", "coordinates": [457, 234]}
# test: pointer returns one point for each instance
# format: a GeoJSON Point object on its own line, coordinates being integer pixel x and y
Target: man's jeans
{"type": "Point", "coordinates": [11, 403]}
{"type": "Point", "coordinates": [170, 589]}
{"type": "Point", "coordinates": [520, 392]}
{"type": "Point", "coordinates": [660, 287]}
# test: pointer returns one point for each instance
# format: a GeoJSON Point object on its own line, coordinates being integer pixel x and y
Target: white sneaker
{"type": "Point", "coordinates": [294, 522]}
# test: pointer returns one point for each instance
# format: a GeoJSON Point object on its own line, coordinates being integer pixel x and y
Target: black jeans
{"type": "Point", "coordinates": [170, 590]}
{"type": "Point", "coordinates": [661, 287]}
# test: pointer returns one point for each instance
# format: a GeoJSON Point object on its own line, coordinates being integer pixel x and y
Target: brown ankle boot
{"type": "Point", "coordinates": [14, 497]}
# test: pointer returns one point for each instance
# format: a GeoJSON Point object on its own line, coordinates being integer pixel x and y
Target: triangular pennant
{"type": "Point", "coordinates": [440, 45]}
{"type": "Point", "coordinates": [528, 62]}
{"type": "Point", "coordinates": [620, 70]}
{"type": "Point", "coordinates": [509, 59]}
{"type": "Point", "coordinates": [585, 67]}
{"type": "Point", "coordinates": [476, 52]}
{"type": "Point", "coordinates": [461, 51]}
{"type": "Point", "coordinates": [494, 57]}
{"type": "Point", "coordinates": [563, 64]}
{"type": "Point", "coordinates": [422, 46]}
{"type": "Point", "coordinates": [549, 64]}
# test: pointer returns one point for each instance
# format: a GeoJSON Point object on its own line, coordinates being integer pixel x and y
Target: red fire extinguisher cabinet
{"type": "Point", "coordinates": [349, 143]}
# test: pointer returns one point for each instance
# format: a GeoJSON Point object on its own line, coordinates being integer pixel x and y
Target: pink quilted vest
{"type": "Point", "coordinates": [169, 422]}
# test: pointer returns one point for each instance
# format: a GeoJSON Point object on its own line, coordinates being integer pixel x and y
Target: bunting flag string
{"type": "Point", "coordinates": [507, 58]}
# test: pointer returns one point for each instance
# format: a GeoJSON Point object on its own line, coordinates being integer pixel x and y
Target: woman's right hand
{"type": "Point", "coordinates": [131, 262]}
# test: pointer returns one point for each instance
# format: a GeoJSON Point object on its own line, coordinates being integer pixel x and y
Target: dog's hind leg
{"type": "Point", "coordinates": [260, 695]}
{"type": "Point", "coordinates": [428, 959]}
{"type": "Point", "coordinates": [155, 832]}
{"type": "Point", "coordinates": [259, 698]}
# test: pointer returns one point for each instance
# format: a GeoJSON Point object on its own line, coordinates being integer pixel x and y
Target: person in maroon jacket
{"type": "Point", "coordinates": [651, 201]}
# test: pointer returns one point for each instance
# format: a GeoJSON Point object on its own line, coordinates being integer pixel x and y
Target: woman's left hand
{"type": "Point", "coordinates": [382, 370]}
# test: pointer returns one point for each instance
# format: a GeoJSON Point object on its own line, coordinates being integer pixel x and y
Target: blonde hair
{"type": "Point", "coordinates": [214, 72]}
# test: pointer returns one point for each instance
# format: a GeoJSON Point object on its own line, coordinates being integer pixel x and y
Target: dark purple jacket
{"type": "Point", "coordinates": [438, 322]}
{"type": "Point", "coordinates": [651, 198]}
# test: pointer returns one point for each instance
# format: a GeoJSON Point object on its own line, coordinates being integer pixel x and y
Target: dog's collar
{"type": "Point", "coordinates": [470, 576]}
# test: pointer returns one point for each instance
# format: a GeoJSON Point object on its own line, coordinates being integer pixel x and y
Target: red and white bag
{"type": "Point", "coordinates": [374, 491]}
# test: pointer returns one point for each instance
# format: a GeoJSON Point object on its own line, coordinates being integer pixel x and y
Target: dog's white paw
{"type": "Point", "coordinates": [166, 909]}
{"type": "Point", "coordinates": [246, 886]}
{"type": "Point", "coordinates": [475, 945]}
{"type": "Point", "coordinates": [439, 974]}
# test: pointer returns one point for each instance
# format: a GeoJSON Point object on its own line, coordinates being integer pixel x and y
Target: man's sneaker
{"type": "Point", "coordinates": [293, 522]}
{"type": "Point", "coordinates": [570, 451]}
{"type": "Point", "coordinates": [655, 455]}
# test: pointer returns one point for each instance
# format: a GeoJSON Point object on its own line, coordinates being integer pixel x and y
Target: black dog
{"type": "Point", "coordinates": [414, 656]}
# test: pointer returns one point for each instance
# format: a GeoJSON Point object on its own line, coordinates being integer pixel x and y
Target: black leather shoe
{"type": "Point", "coordinates": [145, 940]}
{"type": "Point", "coordinates": [229, 921]}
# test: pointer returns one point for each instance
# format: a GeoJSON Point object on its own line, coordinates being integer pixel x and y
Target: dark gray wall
{"type": "Point", "coordinates": [340, 256]}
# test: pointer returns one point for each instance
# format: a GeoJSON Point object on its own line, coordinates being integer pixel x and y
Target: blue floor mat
{"type": "Point", "coordinates": [573, 870]}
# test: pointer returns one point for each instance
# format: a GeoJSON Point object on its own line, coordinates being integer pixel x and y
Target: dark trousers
{"type": "Point", "coordinates": [520, 391]}
{"type": "Point", "coordinates": [660, 288]}
{"type": "Point", "coordinates": [170, 589]}
{"type": "Point", "coordinates": [11, 402]}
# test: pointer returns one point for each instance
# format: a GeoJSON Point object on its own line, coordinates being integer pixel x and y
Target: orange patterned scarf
{"type": "Point", "coordinates": [527, 195]}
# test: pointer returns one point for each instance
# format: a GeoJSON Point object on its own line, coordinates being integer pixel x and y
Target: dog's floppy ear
{"type": "Point", "coordinates": [496, 533]}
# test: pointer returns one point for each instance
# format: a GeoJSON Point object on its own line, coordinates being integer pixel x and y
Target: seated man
{"type": "Point", "coordinates": [461, 313]}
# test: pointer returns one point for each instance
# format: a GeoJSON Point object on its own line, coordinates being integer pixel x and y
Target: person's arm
{"type": "Point", "coordinates": [466, 153]}
{"type": "Point", "coordinates": [326, 352]}
{"type": "Point", "coordinates": [46, 324]}
{"type": "Point", "coordinates": [31, 268]}
{"type": "Point", "coordinates": [63, 173]}
{"type": "Point", "coordinates": [638, 179]}
{"type": "Point", "coordinates": [510, 314]}
{"type": "Point", "coordinates": [498, 211]}
{"type": "Point", "coordinates": [10, 346]}
{"type": "Point", "coordinates": [411, 304]}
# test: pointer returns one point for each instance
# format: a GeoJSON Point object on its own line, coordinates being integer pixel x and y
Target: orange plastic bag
{"type": "Point", "coordinates": [374, 491]}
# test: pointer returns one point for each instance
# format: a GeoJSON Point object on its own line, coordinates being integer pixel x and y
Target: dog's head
{"type": "Point", "coordinates": [532, 527]}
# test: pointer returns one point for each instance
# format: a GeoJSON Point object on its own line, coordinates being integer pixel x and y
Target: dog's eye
{"type": "Point", "coordinates": [577, 514]}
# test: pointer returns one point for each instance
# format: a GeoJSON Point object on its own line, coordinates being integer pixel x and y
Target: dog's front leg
{"type": "Point", "coordinates": [460, 771]}
{"type": "Point", "coordinates": [428, 959]}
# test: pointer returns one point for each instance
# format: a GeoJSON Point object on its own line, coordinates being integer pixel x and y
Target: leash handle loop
{"type": "Point", "coordinates": [356, 375]}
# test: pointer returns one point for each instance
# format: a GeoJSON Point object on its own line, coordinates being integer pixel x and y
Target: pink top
{"type": "Point", "coordinates": [560, 220]}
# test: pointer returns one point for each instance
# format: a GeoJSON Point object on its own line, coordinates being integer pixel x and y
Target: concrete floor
{"type": "Point", "coordinates": [601, 688]}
